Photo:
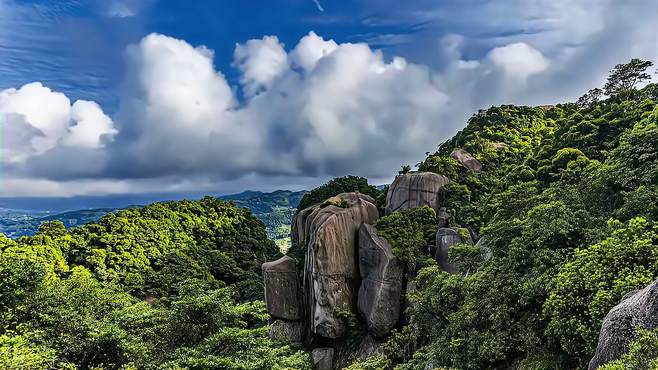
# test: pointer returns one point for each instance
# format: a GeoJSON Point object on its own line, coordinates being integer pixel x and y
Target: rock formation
{"type": "Point", "coordinates": [292, 331]}
{"type": "Point", "coordinates": [381, 284]}
{"type": "Point", "coordinates": [445, 238]}
{"type": "Point", "coordinates": [281, 289]}
{"type": "Point", "coordinates": [466, 159]}
{"type": "Point", "coordinates": [329, 231]}
{"type": "Point", "coordinates": [415, 189]}
{"type": "Point", "coordinates": [636, 309]}
{"type": "Point", "coordinates": [323, 358]}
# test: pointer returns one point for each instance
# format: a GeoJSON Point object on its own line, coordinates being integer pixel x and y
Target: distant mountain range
{"type": "Point", "coordinates": [275, 209]}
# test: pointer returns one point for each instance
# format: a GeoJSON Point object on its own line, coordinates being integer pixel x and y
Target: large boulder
{"type": "Point", "coordinates": [281, 289]}
{"type": "Point", "coordinates": [466, 159]}
{"type": "Point", "coordinates": [329, 231]}
{"type": "Point", "coordinates": [446, 238]}
{"type": "Point", "coordinates": [381, 282]}
{"type": "Point", "coordinates": [636, 309]}
{"type": "Point", "coordinates": [415, 189]}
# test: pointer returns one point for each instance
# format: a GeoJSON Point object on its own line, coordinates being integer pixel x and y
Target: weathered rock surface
{"type": "Point", "coordinates": [331, 276]}
{"type": "Point", "coordinates": [322, 358]}
{"type": "Point", "coordinates": [637, 309]}
{"type": "Point", "coordinates": [292, 331]}
{"type": "Point", "coordinates": [446, 238]}
{"type": "Point", "coordinates": [348, 352]}
{"type": "Point", "coordinates": [282, 296]}
{"type": "Point", "coordinates": [466, 159]}
{"type": "Point", "coordinates": [381, 282]}
{"type": "Point", "coordinates": [415, 189]}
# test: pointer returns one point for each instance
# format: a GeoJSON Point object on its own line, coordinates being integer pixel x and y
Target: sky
{"type": "Point", "coordinates": [115, 97]}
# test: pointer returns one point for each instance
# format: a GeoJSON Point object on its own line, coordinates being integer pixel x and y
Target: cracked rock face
{"type": "Point", "coordinates": [637, 309]}
{"type": "Point", "coordinates": [329, 231]}
{"type": "Point", "coordinates": [466, 159]}
{"type": "Point", "coordinates": [281, 289]}
{"type": "Point", "coordinates": [381, 284]}
{"type": "Point", "coordinates": [416, 189]}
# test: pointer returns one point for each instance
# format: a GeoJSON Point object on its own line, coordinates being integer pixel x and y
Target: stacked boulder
{"type": "Point", "coordinates": [329, 231]}
{"type": "Point", "coordinates": [381, 282]}
{"type": "Point", "coordinates": [282, 299]}
{"type": "Point", "coordinates": [349, 269]}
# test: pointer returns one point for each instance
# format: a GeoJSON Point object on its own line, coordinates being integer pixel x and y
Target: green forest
{"type": "Point", "coordinates": [567, 201]}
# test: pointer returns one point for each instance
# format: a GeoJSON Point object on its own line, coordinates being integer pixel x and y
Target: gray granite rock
{"type": "Point", "coordinates": [323, 358]}
{"type": "Point", "coordinates": [381, 282]}
{"type": "Point", "coordinates": [446, 238]}
{"type": "Point", "coordinates": [282, 295]}
{"type": "Point", "coordinates": [636, 309]}
{"type": "Point", "coordinates": [329, 232]}
{"type": "Point", "coordinates": [466, 159]}
{"type": "Point", "coordinates": [415, 189]}
{"type": "Point", "coordinates": [292, 331]}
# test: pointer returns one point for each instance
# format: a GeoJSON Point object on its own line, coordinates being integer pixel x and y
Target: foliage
{"type": "Point", "coordinates": [337, 186]}
{"type": "Point", "coordinates": [624, 77]}
{"type": "Point", "coordinates": [596, 278]}
{"type": "Point", "coordinates": [409, 232]}
{"type": "Point", "coordinates": [172, 285]}
{"type": "Point", "coordinates": [567, 203]}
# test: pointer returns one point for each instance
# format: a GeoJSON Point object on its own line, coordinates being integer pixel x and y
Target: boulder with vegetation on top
{"type": "Point", "coordinates": [329, 232]}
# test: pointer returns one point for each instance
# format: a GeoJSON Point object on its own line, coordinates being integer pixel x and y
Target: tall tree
{"type": "Point", "coordinates": [624, 77]}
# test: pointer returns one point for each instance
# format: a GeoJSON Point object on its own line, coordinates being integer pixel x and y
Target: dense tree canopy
{"type": "Point", "coordinates": [170, 285]}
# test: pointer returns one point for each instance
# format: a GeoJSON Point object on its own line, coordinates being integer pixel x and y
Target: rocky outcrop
{"type": "Point", "coordinates": [281, 289]}
{"type": "Point", "coordinates": [381, 282]}
{"type": "Point", "coordinates": [292, 331]}
{"type": "Point", "coordinates": [329, 231]}
{"type": "Point", "coordinates": [446, 238]}
{"type": "Point", "coordinates": [466, 159]}
{"type": "Point", "coordinates": [415, 189]}
{"type": "Point", "coordinates": [637, 309]}
{"type": "Point", "coordinates": [347, 352]}
{"type": "Point", "coordinates": [323, 358]}
{"type": "Point", "coordinates": [443, 217]}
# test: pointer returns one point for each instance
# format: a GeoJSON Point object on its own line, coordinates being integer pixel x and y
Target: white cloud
{"type": "Point", "coordinates": [92, 126]}
{"type": "Point", "coordinates": [518, 60]}
{"type": "Point", "coordinates": [310, 49]}
{"type": "Point", "coordinates": [36, 119]}
{"type": "Point", "coordinates": [260, 62]}
{"type": "Point", "coordinates": [319, 110]}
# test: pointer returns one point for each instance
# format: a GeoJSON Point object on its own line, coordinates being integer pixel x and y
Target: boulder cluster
{"type": "Point", "coordinates": [350, 271]}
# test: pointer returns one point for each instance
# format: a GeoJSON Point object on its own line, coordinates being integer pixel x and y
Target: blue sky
{"type": "Point", "coordinates": [129, 96]}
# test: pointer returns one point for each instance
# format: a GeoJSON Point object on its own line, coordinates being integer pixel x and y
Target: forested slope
{"type": "Point", "coordinates": [170, 285]}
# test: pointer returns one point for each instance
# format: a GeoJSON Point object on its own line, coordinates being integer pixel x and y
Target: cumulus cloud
{"type": "Point", "coordinates": [261, 62]}
{"type": "Point", "coordinates": [518, 60]}
{"type": "Point", "coordinates": [35, 120]}
{"type": "Point", "coordinates": [313, 110]}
